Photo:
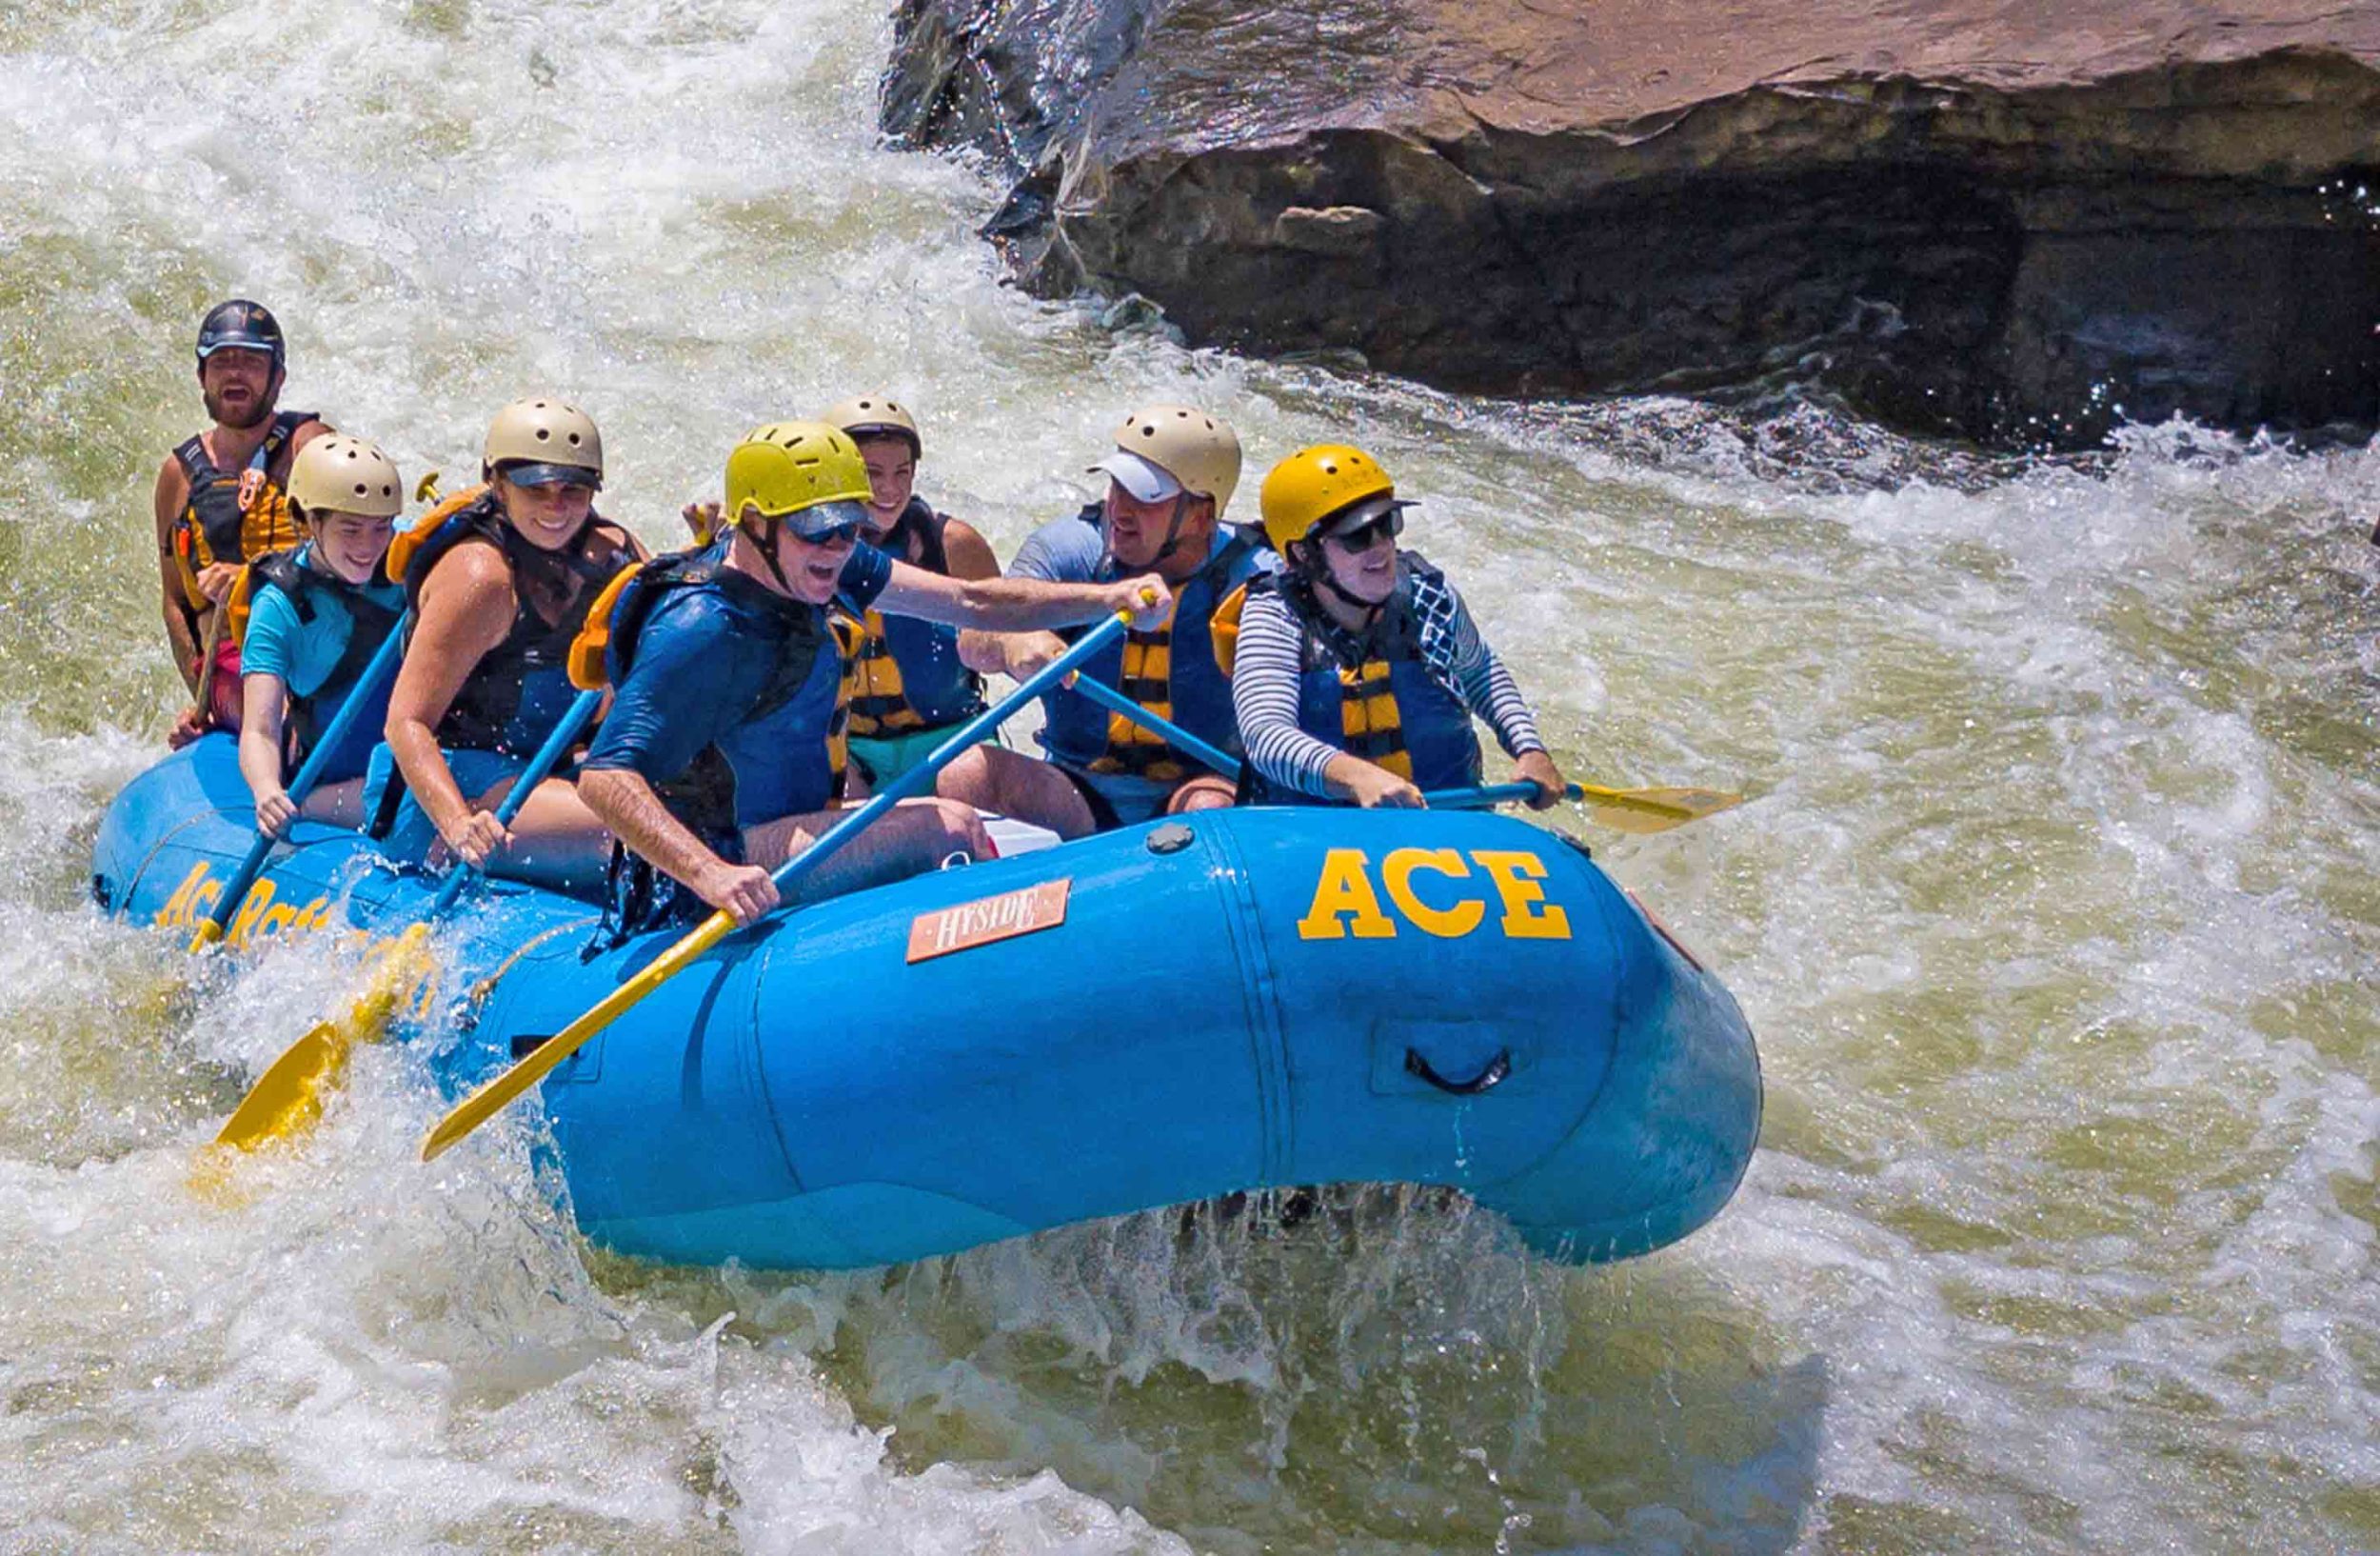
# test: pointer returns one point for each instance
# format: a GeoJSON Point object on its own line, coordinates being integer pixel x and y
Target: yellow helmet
{"type": "Point", "coordinates": [545, 441]}
{"type": "Point", "coordinates": [340, 474]}
{"type": "Point", "coordinates": [807, 467]}
{"type": "Point", "coordinates": [1163, 449]}
{"type": "Point", "coordinates": [875, 417]}
{"type": "Point", "coordinates": [1313, 483]}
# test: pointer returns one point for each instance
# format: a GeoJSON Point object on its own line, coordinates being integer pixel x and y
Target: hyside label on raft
{"type": "Point", "coordinates": [988, 919]}
{"type": "Point", "coordinates": [259, 918]}
{"type": "Point", "coordinates": [1347, 903]}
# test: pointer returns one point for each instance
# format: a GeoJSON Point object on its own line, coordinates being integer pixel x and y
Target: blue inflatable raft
{"type": "Point", "coordinates": [1236, 1000]}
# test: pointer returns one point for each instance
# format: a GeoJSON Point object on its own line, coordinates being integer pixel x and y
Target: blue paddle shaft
{"type": "Point", "coordinates": [1199, 750]}
{"type": "Point", "coordinates": [309, 771]}
{"type": "Point", "coordinates": [458, 879]}
{"type": "Point", "coordinates": [967, 735]}
{"type": "Point", "coordinates": [1488, 794]}
{"type": "Point", "coordinates": [1175, 735]}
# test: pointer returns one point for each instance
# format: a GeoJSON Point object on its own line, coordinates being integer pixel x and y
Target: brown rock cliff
{"type": "Point", "coordinates": [2014, 221]}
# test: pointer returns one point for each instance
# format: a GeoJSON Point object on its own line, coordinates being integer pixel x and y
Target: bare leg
{"type": "Point", "coordinates": [1022, 786]}
{"type": "Point", "coordinates": [556, 840]}
{"type": "Point", "coordinates": [1206, 792]}
{"type": "Point", "coordinates": [913, 837]}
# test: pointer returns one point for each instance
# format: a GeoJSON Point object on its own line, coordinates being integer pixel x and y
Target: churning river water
{"type": "Point", "coordinates": [2055, 904]}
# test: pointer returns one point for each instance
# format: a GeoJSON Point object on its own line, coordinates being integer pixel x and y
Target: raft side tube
{"type": "Point", "coordinates": [1671, 1132]}
{"type": "Point", "coordinates": [1454, 1044]}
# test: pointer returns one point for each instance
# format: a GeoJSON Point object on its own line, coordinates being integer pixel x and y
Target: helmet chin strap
{"type": "Point", "coordinates": [768, 548]}
{"type": "Point", "coordinates": [1173, 528]}
{"type": "Point", "coordinates": [1317, 572]}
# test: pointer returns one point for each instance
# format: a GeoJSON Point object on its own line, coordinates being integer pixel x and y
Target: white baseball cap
{"type": "Point", "coordinates": [1147, 481]}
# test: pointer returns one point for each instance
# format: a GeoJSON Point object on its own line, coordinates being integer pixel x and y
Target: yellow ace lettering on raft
{"type": "Point", "coordinates": [1347, 904]}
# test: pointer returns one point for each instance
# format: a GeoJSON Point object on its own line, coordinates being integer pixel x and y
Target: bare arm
{"type": "Point", "coordinates": [966, 553]}
{"type": "Point", "coordinates": [626, 803]}
{"type": "Point", "coordinates": [263, 699]}
{"type": "Point", "coordinates": [970, 556]}
{"type": "Point", "coordinates": [1019, 604]}
{"type": "Point", "coordinates": [173, 490]}
{"type": "Point", "coordinates": [465, 609]}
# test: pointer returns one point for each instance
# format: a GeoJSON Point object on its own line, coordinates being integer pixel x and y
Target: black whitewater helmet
{"type": "Point", "coordinates": [244, 325]}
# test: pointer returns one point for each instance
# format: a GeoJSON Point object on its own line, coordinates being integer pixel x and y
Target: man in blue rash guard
{"type": "Point", "coordinates": [1169, 478]}
{"type": "Point", "coordinates": [315, 618]}
{"type": "Point", "coordinates": [716, 762]}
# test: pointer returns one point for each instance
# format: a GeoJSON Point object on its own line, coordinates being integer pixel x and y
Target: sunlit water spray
{"type": "Point", "coordinates": [2056, 907]}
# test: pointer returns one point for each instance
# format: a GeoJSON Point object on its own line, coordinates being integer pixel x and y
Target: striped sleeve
{"type": "Point", "coordinates": [1264, 677]}
{"type": "Point", "coordinates": [1488, 689]}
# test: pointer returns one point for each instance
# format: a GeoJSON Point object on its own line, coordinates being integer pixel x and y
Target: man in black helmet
{"type": "Point", "coordinates": [220, 500]}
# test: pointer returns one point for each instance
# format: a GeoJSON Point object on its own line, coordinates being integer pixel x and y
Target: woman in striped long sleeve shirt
{"type": "Point", "coordinates": [1358, 669]}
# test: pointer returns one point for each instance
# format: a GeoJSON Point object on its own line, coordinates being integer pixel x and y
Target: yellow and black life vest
{"type": "Point", "coordinates": [1379, 695]}
{"type": "Point", "coordinates": [1147, 678]}
{"type": "Point", "coordinates": [1188, 691]}
{"type": "Point", "coordinates": [908, 675]}
{"type": "Point", "coordinates": [231, 517]}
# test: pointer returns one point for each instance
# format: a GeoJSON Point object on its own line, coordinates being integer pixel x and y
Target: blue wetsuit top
{"type": "Point", "coordinates": [699, 675]}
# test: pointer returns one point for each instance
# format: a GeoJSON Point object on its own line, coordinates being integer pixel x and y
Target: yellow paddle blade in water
{"type": "Point", "coordinates": [1653, 810]}
{"type": "Point", "coordinates": [288, 1098]}
{"type": "Point", "coordinates": [491, 1099]}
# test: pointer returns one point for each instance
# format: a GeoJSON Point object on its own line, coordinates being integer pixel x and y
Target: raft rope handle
{"type": "Point", "coordinates": [1498, 1069]}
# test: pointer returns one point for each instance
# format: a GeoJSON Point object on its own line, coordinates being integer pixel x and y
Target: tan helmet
{"type": "Point", "coordinates": [339, 474]}
{"type": "Point", "coordinates": [1193, 451]}
{"type": "Point", "coordinates": [875, 417]}
{"type": "Point", "coordinates": [548, 436]}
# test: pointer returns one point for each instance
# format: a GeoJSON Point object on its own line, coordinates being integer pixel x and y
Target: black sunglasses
{"type": "Point", "coordinates": [1363, 537]}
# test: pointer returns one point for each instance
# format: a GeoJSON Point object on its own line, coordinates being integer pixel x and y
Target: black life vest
{"type": "Point", "coordinates": [527, 671]}
{"type": "Point", "coordinates": [704, 796]}
{"type": "Point", "coordinates": [231, 516]}
{"type": "Point", "coordinates": [309, 589]}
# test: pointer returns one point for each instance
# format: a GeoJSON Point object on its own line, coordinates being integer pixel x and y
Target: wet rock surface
{"type": "Point", "coordinates": [2019, 222]}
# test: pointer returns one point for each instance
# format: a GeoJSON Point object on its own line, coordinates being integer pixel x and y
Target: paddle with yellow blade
{"type": "Point", "coordinates": [1622, 810]}
{"type": "Point", "coordinates": [309, 774]}
{"type": "Point", "coordinates": [383, 663]}
{"type": "Point", "coordinates": [490, 1099]}
{"type": "Point", "coordinates": [287, 1097]}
